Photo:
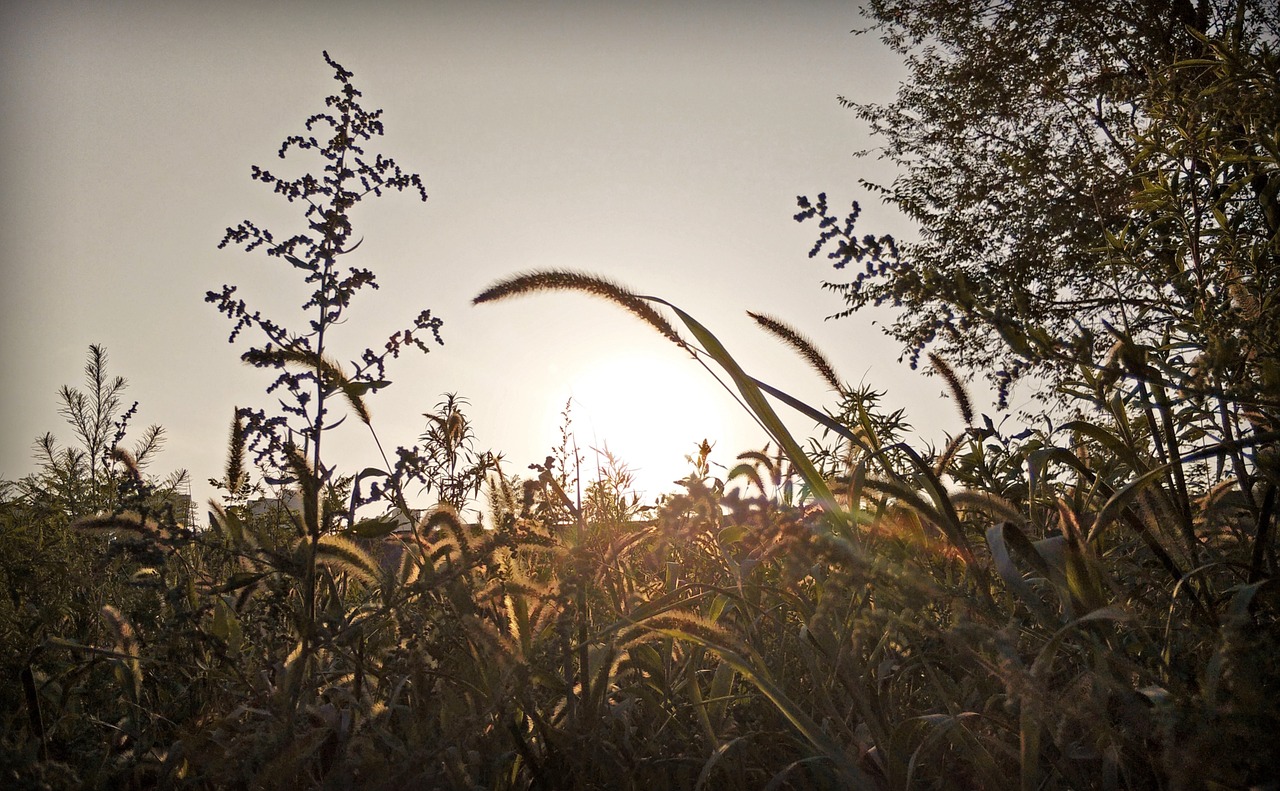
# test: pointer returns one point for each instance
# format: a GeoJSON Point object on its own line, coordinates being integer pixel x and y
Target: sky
{"type": "Point", "coordinates": [660, 144]}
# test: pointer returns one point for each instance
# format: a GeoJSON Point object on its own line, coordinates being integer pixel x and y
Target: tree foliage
{"type": "Point", "coordinates": [1077, 170]}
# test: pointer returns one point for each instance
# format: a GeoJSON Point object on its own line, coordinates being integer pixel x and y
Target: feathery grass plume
{"type": "Point", "coordinates": [623, 546]}
{"type": "Point", "coordinates": [444, 548]}
{"type": "Point", "coordinates": [328, 371]}
{"type": "Point", "coordinates": [236, 476]}
{"type": "Point", "coordinates": [126, 644]}
{"type": "Point", "coordinates": [762, 461]}
{"type": "Point", "coordinates": [130, 463]}
{"type": "Point", "coordinates": [788, 335]}
{"type": "Point", "coordinates": [751, 473]}
{"type": "Point", "coordinates": [130, 521]}
{"type": "Point", "coordinates": [309, 489]}
{"type": "Point", "coordinates": [489, 645]}
{"type": "Point", "coordinates": [445, 516]}
{"type": "Point", "coordinates": [958, 392]}
{"type": "Point", "coordinates": [342, 554]}
{"type": "Point", "coordinates": [532, 590]}
{"type": "Point", "coordinates": [503, 506]}
{"type": "Point", "coordinates": [1212, 498]}
{"type": "Point", "coordinates": [291, 661]}
{"type": "Point", "coordinates": [546, 611]}
{"type": "Point", "coordinates": [689, 626]}
{"type": "Point", "coordinates": [949, 453]}
{"type": "Point", "coordinates": [410, 566]}
{"type": "Point", "coordinates": [121, 630]}
{"type": "Point", "coordinates": [565, 280]}
{"type": "Point", "coordinates": [991, 503]}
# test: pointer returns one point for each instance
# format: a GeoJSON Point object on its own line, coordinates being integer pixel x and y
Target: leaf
{"type": "Point", "coordinates": [758, 405]}
{"type": "Point", "coordinates": [1122, 496]}
{"type": "Point", "coordinates": [733, 534]}
{"type": "Point", "coordinates": [999, 539]}
{"type": "Point", "coordinates": [1108, 440]}
{"type": "Point", "coordinates": [719, 605]}
{"type": "Point", "coordinates": [378, 527]}
{"type": "Point", "coordinates": [1045, 659]}
{"type": "Point", "coordinates": [721, 686]}
{"type": "Point", "coordinates": [226, 627]}
{"type": "Point", "coordinates": [699, 706]}
{"type": "Point", "coordinates": [759, 677]}
{"type": "Point", "coordinates": [238, 580]}
{"type": "Point", "coordinates": [220, 519]}
{"type": "Point", "coordinates": [705, 775]}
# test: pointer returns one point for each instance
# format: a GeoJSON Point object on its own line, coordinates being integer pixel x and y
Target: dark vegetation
{"type": "Point", "coordinates": [1088, 600]}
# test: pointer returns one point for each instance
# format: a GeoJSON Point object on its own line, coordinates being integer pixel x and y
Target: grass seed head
{"type": "Point", "coordinates": [958, 392]}
{"type": "Point", "coordinates": [788, 335]}
{"type": "Point", "coordinates": [565, 280]}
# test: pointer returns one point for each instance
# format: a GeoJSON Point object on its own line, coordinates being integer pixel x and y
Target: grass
{"type": "Point", "coordinates": [1039, 612]}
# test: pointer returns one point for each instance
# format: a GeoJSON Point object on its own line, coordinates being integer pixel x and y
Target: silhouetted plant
{"type": "Point", "coordinates": [86, 478]}
{"type": "Point", "coordinates": [448, 460]}
{"type": "Point", "coordinates": [91, 546]}
{"type": "Point", "coordinates": [305, 373]}
{"type": "Point", "coordinates": [1028, 137]}
{"type": "Point", "coordinates": [317, 596]}
{"type": "Point", "coordinates": [320, 573]}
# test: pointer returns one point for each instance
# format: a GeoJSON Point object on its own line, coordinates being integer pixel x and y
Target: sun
{"type": "Point", "coordinates": [650, 410]}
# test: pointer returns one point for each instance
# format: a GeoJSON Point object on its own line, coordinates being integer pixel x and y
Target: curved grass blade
{"type": "Point", "coordinates": [1001, 538]}
{"type": "Point", "coordinates": [758, 405]}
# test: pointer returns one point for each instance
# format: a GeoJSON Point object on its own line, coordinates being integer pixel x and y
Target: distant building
{"type": "Point", "coordinates": [181, 506]}
{"type": "Point", "coordinates": [289, 501]}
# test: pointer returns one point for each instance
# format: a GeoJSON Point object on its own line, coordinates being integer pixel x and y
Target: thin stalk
{"type": "Point", "coordinates": [584, 665]}
{"type": "Point", "coordinates": [329, 259]}
{"type": "Point", "coordinates": [1263, 535]}
{"type": "Point", "coordinates": [1227, 418]}
{"type": "Point", "coordinates": [1171, 458]}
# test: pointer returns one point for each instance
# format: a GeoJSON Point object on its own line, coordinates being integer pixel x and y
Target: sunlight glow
{"type": "Point", "coordinates": [650, 411]}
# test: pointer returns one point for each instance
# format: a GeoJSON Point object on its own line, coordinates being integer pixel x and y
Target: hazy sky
{"type": "Point", "coordinates": [662, 145]}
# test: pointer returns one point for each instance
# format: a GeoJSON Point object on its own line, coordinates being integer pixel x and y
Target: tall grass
{"type": "Point", "coordinates": [1063, 611]}
{"type": "Point", "coordinates": [1053, 609]}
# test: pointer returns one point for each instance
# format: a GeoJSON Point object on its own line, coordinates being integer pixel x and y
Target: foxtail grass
{"type": "Point", "coordinates": [790, 336]}
{"type": "Point", "coordinates": [958, 391]}
{"type": "Point", "coordinates": [565, 280]}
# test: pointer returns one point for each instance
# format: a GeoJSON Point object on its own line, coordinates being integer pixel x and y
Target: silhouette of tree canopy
{"type": "Point", "coordinates": [1079, 172]}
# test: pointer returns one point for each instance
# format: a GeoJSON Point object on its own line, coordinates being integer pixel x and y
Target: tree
{"type": "Point", "coordinates": [86, 478]}
{"type": "Point", "coordinates": [1032, 139]}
